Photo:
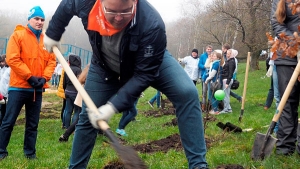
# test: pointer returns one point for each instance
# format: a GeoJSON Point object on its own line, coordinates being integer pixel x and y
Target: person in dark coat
{"type": "Point", "coordinates": [71, 92]}
{"type": "Point", "coordinates": [227, 76]}
{"type": "Point", "coordinates": [129, 42]}
{"type": "Point", "coordinates": [283, 21]}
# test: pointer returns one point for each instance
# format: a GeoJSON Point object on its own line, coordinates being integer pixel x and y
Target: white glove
{"type": "Point", "coordinates": [104, 112]}
{"type": "Point", "coordinates": [49, 43]}
{"type": "Point", "coordinates": [270, 71]}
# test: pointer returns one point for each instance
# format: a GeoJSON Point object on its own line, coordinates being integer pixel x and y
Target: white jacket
{"type": "Point", "coordinates": [191, 66]}
{"type": "Point", "coordinates": [4, 82]}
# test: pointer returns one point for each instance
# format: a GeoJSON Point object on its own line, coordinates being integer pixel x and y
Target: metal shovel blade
{"type": "Point", "coordinates": [263, 146]}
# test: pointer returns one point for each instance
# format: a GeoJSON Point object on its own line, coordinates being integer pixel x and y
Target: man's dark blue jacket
{"type": "Point", "coordinates": [141, 50]}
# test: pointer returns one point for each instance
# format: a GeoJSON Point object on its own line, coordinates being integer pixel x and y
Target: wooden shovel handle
{"type": "Point", "coordinates": [286, 93]}
{"type": "Point", "coordinates": [246, 80]}
{"type": "Point", "coordinates": [86, 98]}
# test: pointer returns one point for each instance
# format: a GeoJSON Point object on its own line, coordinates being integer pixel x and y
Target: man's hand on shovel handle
{"type": "Point", "coordinates": [104, 112]}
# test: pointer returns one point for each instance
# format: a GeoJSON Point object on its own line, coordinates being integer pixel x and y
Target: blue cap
{"type": "Point", "coordinates": [36, 12]}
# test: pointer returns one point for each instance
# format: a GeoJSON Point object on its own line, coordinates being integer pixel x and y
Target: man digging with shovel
{"type": "Point", "coordinates": [129, 54]}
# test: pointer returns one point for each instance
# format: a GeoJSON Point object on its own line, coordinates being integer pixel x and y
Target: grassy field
{"type": "Point", "coordinates": [226, 148]}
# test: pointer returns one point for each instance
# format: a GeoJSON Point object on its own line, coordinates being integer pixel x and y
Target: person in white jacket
{"type": "Point", "coordinates": [191, 65]}
{"type": "Point", "coordinates": [58, 71]}
{"type": "Point", "coordinates": [4, 83]}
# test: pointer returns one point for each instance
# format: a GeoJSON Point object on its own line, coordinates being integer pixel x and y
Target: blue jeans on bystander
{"type": "Point", "coordinates": [156, 98]}
{"type": "Point", "coordinates": [32, 104]}
{"type": "Point", "coordinates": [70, 107]}
{"type": "Point", "coordinates": [127, 116]}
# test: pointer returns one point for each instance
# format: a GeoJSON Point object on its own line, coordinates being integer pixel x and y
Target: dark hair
{"type": "Point", "coordinates": [195, 50]}
{"type": "Point", "coordinates": [226, 46]}
{"type": "Point", "coordinates": [2, 58]}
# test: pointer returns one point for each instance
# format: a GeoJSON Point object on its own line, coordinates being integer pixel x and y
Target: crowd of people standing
{"type": "Point", "coordinates": [212, 66]}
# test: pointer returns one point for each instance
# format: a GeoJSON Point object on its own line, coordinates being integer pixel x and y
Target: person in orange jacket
{"type": "Point", "coordinates": [31, 67]}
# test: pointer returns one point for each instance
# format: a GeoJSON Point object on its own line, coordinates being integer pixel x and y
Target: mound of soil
{"type": "Point", "coordinates": [119, 165]}
{"type": "Point", "coordinates": [174, 122]}
{"type": "Point", "coordinates": [163, 145]}
{"type": "Point", "coordinates": [114, 165]}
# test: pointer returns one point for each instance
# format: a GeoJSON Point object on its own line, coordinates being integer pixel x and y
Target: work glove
{"type": "Point", "coordinates": [104, 112]}
{"type": "Point", "coordinates": [41, 82]}
{"type": "Point", "coordinates": [49, 43]}
{"type": "Point", "coordinates": [270, 71]}
{"type": "Point", "coordinates": [33, 81]}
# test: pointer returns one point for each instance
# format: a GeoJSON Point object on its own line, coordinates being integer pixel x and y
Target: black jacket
{"type": "Point", "coordinates": [75, 65]}
{"type": "Point", "coordinates": [228, 70]}
{"type": "Point", "coordinates": [289, 26]}
{"type": "Point", "coordinates": [141, 50]}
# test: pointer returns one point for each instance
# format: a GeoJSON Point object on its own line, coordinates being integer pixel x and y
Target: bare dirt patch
{"type": "Point", "coordinates": [114, 165]}
{"type": "Point", "coordinates": [163, 145]}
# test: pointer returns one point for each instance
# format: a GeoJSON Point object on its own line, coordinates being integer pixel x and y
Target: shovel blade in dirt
{"type": "Point", "coordinates": [263, 146]}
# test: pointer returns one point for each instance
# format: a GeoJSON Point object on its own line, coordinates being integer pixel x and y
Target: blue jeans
{"type": "Point", "coordinates": [128, 115]}
{"type": "Point", "coordinates": [156, 98]}
{"type": "Point", "coordinates": [275, 86]}
{"type": "Point", "coordinates": [32, 115]}
{"type": "Point", "coordinates": [234, 95]}
{"type": "Point", "coordinates": [174, 83]}
{"type": "Point", "coordinates": [270, 96]}
{"type": "Point", "coordinates": [211, 98]}
{"type": "Point", "coordinates": [276, 92]}
{"type": "Point", "coordinates": [54, 80]}
{"type": "Point", "coordinates": [70, 107]}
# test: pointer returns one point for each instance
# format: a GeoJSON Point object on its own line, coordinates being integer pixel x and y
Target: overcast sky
{"type": "Point", "coordinates": [169, 9]}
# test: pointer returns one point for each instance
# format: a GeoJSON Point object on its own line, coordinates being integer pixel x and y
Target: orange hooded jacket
{"type": "Point", "coordinates": [28, 57]}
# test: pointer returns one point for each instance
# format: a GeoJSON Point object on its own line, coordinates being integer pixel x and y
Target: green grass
{"type": "Point", "coordinates": [228, 148]}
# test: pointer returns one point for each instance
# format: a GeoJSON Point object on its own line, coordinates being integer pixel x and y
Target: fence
{"type": "Point", "coordinates": [85, 55]}
{"type": "Point", "coordinates": [66, 50]}
{"type": "Point", "coordinates": [3, 44]}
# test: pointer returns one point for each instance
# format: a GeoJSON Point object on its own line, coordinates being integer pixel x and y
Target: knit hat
{"type": "Point", "coordinates": [195, 50]}
{"type": "Point", "coordinates": [36, 12]}
{"type": "Point", "coordinates": [234, 53]}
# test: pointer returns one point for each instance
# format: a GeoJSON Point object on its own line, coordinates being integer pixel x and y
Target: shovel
{"type": "Point", "coordinates": [129, 157]}
{"type": "Point", "coordinates": [245, 87]}
{"type": "Point", "coordinates": [264, 143]}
